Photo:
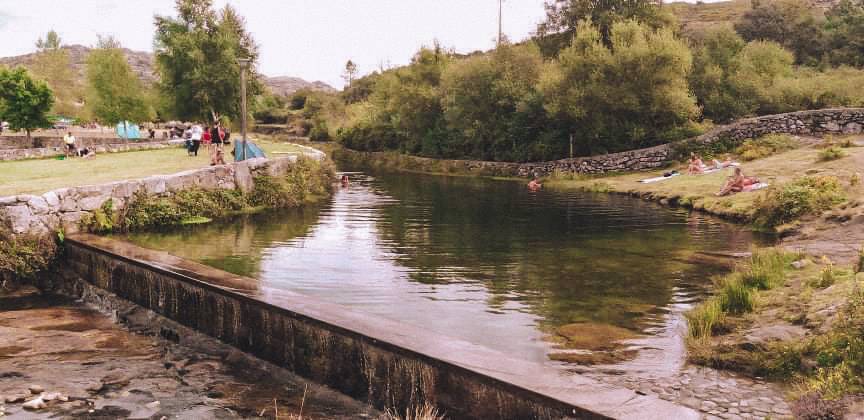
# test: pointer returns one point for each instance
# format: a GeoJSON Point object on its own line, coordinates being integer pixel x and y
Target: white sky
{"type": "Point", "coordinates": [311, 39]}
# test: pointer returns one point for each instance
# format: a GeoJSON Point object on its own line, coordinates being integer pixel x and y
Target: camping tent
{"type": "Point", "coordinates": [128, 128]}
{"type": "Point", "coordinates": [252, 151]}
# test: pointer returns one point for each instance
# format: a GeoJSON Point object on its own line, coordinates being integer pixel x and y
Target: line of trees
{"type": "Point", "coordinates": [614, 75]}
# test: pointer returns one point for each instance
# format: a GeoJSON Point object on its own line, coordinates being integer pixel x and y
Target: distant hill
{"type": "Point", "coordinates": [697, 16]}
{"type": "Point", "coordinates": [286, 85]}
{"type": "Point", "coordinates": [142, 64]}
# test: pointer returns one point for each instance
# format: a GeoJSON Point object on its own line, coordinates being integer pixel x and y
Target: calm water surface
{"type": "Point", "coordinates": [482, 260]}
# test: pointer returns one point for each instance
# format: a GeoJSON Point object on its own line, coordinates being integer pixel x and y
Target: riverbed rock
{"type": "Point", "coordinates": [35, 404]}
{"type": "Point", "coordinates": [761, 335]}
{"type": "Point", "coordinates": [36, 389]}
{"type": "Point", "coordinates": [801, 264]}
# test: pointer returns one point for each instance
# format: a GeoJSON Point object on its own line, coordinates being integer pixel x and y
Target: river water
{"type": "Point", "coordinates": [488, 262]}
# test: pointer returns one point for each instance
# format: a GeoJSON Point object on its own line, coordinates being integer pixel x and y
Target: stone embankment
{"type": "Point", "coordinates": [53, 151]}
{"type": "Point", "coordinates": [65, 208]}
{"type": "Point", "coordinates": [813, 123]}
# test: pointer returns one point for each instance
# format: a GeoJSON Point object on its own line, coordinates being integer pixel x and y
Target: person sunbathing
{"type": "Point", "coordinates": [727, 162]}
{"type": "Point", "coordinates": [696, 166]}
{"type": "Point", "coordinates": [737, 183]}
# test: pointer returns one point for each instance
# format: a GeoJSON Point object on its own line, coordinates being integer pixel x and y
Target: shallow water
{"type": "Point", "coordinates": [482, 260]}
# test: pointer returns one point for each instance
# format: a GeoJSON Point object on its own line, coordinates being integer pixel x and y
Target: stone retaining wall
{"type": "Point", "coordinates": [49, 152]}
{"type": "Point", "coordinates": [813, 123]}
{"type": "Point", "coordinates": [40, 142]}
{"type": "Point", "coordinates": [64, 208]}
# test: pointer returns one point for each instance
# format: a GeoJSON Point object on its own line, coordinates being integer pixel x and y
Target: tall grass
{"type": "Point", "coordinates": [766, 268]}
{"type": "Point", "coordinates": [705, 319]}
{"type": "Point", "coordinates": [425, 411]}
{"type": "Point", "coordinates": [735, 296]}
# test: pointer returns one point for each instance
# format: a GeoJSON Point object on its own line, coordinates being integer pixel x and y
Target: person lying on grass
{"type": "Point", "coordinates": [727, 162]}
{"type": "Point", "coordinates": [737, 183]}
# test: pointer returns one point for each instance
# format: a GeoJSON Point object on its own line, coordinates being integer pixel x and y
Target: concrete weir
{"type": "Point", "coordinates": [383, 362]}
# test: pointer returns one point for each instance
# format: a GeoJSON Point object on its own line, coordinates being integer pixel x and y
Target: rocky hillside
{"type": "Point", "coordinates": [286, 85]}
{"type": "Point", "coordinates": [142, 64]}
{"type": "Point", "coordinates": [695, 16]}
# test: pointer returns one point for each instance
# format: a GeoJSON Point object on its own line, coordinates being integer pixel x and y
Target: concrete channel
{"type": "Point", "coordinates": [385, 363]}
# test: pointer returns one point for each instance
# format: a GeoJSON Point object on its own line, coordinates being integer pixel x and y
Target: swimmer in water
{"type": "Point", "coordinates": [345, 180]}
{"type": "Point", "coordinates": [535, 184]}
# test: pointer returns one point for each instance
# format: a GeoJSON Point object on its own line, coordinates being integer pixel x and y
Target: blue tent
{"type": "Point", "coordinates": [252, 151]}
{"type": "Point", "coordinates": [130, 129]}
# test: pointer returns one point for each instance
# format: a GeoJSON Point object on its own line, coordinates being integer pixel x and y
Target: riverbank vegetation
{"type": "Point", "coordinates": [306, 181]}
{"type": "Point", "coordinates": [783, 316]}
{"type": "Point", "coordinates": [616, 76]}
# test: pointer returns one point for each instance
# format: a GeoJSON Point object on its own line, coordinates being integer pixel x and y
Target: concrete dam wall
{"type": "Point", "coordinates": [385, 363]}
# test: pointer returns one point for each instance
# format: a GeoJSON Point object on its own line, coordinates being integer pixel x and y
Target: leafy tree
{"type": "Point", "coordinates": [52, 66]}
{"type": "Point", "coordinates": [24, 102]}
{"type": "Point", "coordinates": [630, 95]}
{"type": "Point", "coordinates": [50, 42]}
{"type": "Point", "coordinates": [845, 25]}
{"type": "Point", "coordinates": [197, 56]}
{"type": "Point", "coordinates": [791, 23]}
{"type": "Point", "coordinates": [115, 92]}
{"type": "Point", "coordinates": [491, 104]}
{"type": "Point", "coordinates": [761, 66]}
{"type": "Point", "coordinates": [563, 17]}
{"type": "Point", "coordinates": [715, 66]}
{"type": "Point", "coordinates": [350, 72]}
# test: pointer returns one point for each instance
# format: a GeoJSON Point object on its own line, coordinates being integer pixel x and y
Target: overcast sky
{"type": "Point", "coordinates": [311, 39]}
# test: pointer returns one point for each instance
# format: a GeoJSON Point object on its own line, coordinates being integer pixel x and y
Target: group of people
{"type": "Point", "coordinates": [734, 184]}
{"type": "Point", "coordinates": [214, 138]}
{"type": "Point", "coordinates": [72, 147]}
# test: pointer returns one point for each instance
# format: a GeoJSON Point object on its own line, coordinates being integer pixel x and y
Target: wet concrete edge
{"type": "Point", "coordinates": [466, 371]}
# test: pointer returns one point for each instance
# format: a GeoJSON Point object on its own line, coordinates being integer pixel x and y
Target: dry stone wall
{"type": "Point", "coordinates": [813, 123]}
{"type": "Point", "coordinates": [49, 152]}
{"type": "Point", "coordinates": [39, 142]}
{"type": "Point", "coordinates": [66, 207]}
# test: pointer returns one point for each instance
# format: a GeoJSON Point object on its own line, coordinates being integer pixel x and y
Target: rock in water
{"type": "Point", "coordinates": [36, 389]}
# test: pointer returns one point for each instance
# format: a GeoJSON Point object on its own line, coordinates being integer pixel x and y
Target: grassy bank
{"type": "Point", "coordinates": [43, 175]}
{"type": "Point", "coordinates": [798, 179]}
{"type": "Point", "coordinates": [789, 318]}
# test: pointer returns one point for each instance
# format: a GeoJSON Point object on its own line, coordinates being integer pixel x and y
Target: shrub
{"type": "Point", "coordinates": [812, 406]}
{"type": "Point", "coordinates": [23, 256]}
{"type": "Point", "coordinates": [806, 195]}
{"type": "Point", "coordinates": [706, 319]}
{"type": "Point", "coordinates": [102, 219]}
{"type": "Point", "coordinates": [831, 153]}
{"type": "Point", "coordinates": [859, 265]}
{"type": "Point", "coordinates": [765, 146]}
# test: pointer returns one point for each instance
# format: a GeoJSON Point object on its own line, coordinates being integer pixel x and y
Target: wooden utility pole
{"type": "Point", "coordinates": [244, 65]}
{"type": "Point", "coordinates": [500, 25]}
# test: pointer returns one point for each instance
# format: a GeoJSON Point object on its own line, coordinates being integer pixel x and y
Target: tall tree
{"type": "Point", "coordinates": [115, 92]}
{"type": "Point", "coordinates": [350, 73]}
{"type": "Point", "coordinates": [24, 101]}
{"type": "Point", "coordinates": [846, 33]}
{"type": "Point", "coordinates": [52, 66]}
{"type": "Point", "coordinates": [790, 23]}
{"type": "Point", "coordinates": [197, 56]}
{"type": "Point", "coordinates": [630, 95]}
{"type": "Point", "coordinates": [563, 17]}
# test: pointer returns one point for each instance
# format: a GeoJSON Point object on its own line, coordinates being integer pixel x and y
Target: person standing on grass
{"type": "Point", "coordinates": [207, 140]}
{"type": "Point", "coordinates": [196, 137]}
{"type": "Point", "coordinates": [69, 141]}
{"type": "Point", "coordinates": [216, 138]}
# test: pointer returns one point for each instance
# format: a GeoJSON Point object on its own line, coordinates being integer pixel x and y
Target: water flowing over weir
{"type": "Point", "coordinates": [472, 293]}
{"type": "Point", "coordinates": [372, 359]}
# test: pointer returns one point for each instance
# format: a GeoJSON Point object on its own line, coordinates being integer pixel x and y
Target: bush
{"type": "Point", "coordinates": [831, 153]}
{"type": "Point", "coordinates": [765, 146]}
{"type": "Point", "coordinates": [812, 406]}
{"type": "Point", "coordinates": [806, 195]}
{"type": "Point", "coordinates": [23, 256]}
{"type": "Point", "coordinates": [319, 131]}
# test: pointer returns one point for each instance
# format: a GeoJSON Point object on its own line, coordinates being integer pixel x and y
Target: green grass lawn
{"type": "Point", "coordinates": [40, 176]}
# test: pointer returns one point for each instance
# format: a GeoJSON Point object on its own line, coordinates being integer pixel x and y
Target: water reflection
{"type": "Point", "coordinates": [482, 260]}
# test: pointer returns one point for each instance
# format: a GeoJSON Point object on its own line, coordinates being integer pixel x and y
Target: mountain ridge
{"type": "Point", "coordinates": [143, 63]}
